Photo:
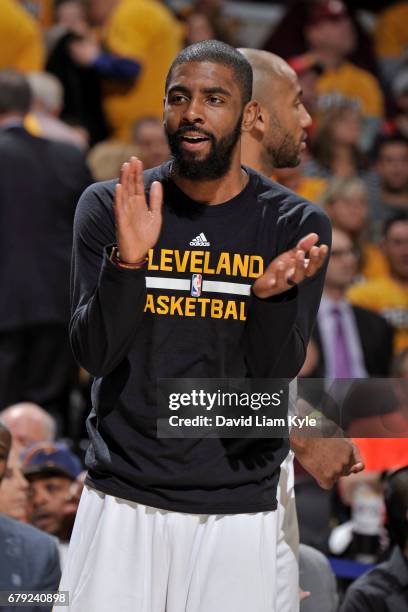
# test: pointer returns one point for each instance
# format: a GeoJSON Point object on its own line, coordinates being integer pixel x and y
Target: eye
{"type": "Point", "coordinates": [177, 99]}
{"type": "Point", "coordinates": [215, 100]}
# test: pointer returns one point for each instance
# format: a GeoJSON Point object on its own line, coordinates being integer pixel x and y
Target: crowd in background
{"type": "Point", "coordinates": [81, 88]}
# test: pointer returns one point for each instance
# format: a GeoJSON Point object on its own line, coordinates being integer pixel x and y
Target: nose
{"type": "Point", "coordinates": [193, 112]}
{"type": "Point", "coordinates": [306, 118]}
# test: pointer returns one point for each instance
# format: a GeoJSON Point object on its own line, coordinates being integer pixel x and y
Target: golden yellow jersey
{"type": "Point", "coordinates": [355, 83]}
{"type": "Point", "coordinates": [390, 299]}
{"type": "Point", "coordinates": [391, 32]}
{"type": "Point", "coordinates": [374, 263]}
{"type": "Point", "coordinates": [145, 31]}
{"type": "Point", "coordinates": [21, 46]}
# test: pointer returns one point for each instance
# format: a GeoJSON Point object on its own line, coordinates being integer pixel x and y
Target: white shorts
{"type": "Point", "coordinates": [126, 557]}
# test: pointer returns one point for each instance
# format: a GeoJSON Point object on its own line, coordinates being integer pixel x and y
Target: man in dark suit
{"type": "Point", "coordinates": [29, 558]}
{"type": "Point", "coordinates": [40, 182]}
{"type": "Point", "coordinates": [352, 342]}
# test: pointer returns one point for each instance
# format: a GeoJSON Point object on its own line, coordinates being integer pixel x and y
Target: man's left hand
{"type": "Point", "coordinates": [291, 267]}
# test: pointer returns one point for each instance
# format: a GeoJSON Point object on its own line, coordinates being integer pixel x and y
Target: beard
{"type": "Point", "coordinates": [285, 154]}
{"type": "Point", "coordinates": [214, 165]}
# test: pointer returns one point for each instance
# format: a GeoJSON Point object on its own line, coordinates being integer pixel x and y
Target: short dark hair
{"type": "Point", "coordinates": [15, 93]}
{"type": "Point", "coordinates": [383, 141]}
{"type": "Point", "coordinates": [396, 504]}
{"type": "Point", "coordinates": [217, 52]}
{"type": "Point", "coordinates": [397, 218]}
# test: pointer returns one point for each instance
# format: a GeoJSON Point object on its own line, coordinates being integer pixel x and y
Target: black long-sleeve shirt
{"type": "Point", "coordinates": [130, 328]}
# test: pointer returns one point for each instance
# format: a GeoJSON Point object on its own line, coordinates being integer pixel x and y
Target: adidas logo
{"type": "Point", "coordinates": [200, 240]}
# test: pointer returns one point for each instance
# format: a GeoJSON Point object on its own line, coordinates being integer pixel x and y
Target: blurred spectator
{"type": "Point", "coordinates": [308, 68]}
{"type": "Point", "coordinates": [353, 342]}
{"type": "Point", "coordinates": [21, 46]}
{"type": "Point", "coordinates": [14, 487]}
{"type": "Point", "coordinates": [345, 201]}
{"type": "Point", "coordinates": [385, 588]}
{"type": "Point", "coordinates": [41, 10]}
{"type": "Point", "coordinates": [106, 158]}
{"type": "Point", "coordinates": [198, 27]}
{"type": "Point", "coordinates": [330, 34]}
{"type": "Point", "coordinates": [205, 21]}
{"type": "Point", "coordinates": [82, 104]}
{"type": "Point", "coordinates": [391, 38]}
{"type": "Point", "coordinates": [138, 40]}
{"type": "Point", "coordinates": [29, 423]}
{"type": "Point", "coordinates": [150, 138]}
{"type": "Point", "coordinates": [41, 181]}
{"type": "Point", "coordinates": [288, 38]}
{"type": "Point", "coordinates": [317, 578]}
{"type": "Point", "coordinates": [51, 469]}
{"type": "Point", "coordinates": [335, 145]}
{"type": "Point", "coordinates": [388, 295]}
{"type": "Point", "coordinates": [29, 558]}
{"type": "Point", "coordinates": [398, 120]}
{"type": "Point", "coordinates": [388, 184]}
{"type": "Point", "coordinates": [47, 99]}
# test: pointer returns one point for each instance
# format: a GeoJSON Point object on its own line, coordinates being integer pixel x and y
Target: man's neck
{"type": "Point", "coordinates": [335, 294]}
{"type": "Point", "coordinates": [216, 191]}
{"type": "Point", "coordinates": [252, 155]}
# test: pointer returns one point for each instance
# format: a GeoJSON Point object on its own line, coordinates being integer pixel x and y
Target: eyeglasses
{"type": "Point", "coordinates": [344, 253]}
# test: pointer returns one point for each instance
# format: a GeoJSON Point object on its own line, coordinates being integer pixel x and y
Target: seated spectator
{"type": "Point", "coordinates": [345, 201]}
{"type": "Point", "coordinates": [21, 46]}
{"type": "Point", "coordinates": [43, 118]}
{"type": "Point", "coordinates": [317, 578]}
{"type": "Point", "coordinates": [398, 124]}
{"type": "Point", "coordinates": [41, 10]}
{"type": "Point", "coordinates": [14, 487]}
{"type": "Point", "coordinates": [82, 103]}
{"type": "Point", "coordinates": [29, 558]}
{"type": "Point", "coordinates": [335, 146]}
{"type": "Point", "coordinates": [308, 68]}
{"type": "Point", "coordinates": [51, 470]}
{"type": "Point", "coordinates": [385, 588]}
{"type": "Point", "coordinates": [391, 38]}
{"type": "Point", "coordinates": [352, 342]}
{"type": "Point", "coordinates": [388, 184]}
{"type": "Point", "coordinates": [330, 34]}
{"type": "Point", "coordinates": [137, 42]}
{"type": "Point", "coordinates": [388, 295]}
{"type": "Point", "coordinates": [29, 423]}
{"type": "Point", "coordinates": [106, 158]}
{"type": "Point", "coordinates": [149, 137]}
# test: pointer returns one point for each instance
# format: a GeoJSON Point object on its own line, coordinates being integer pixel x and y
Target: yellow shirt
{"type": "Point", "coordinates": [145, 31]}
{"type": "Point", "coordinates": [391, 32]}
{"type": "Point", "coordinates": [374, 262]}
{"type": "Point", "coordinates": [390, 299]}
{"type": "Point", "coordinates": [41, 10]}
{"type": "Point", "coordinates": [355, 83]}
{"type": "Point", "coordinates": [311, 188]}
{"type": "Point", "coordinates": [21, 46]}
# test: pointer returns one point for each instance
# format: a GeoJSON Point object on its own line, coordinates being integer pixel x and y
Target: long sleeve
{"type": "Point", "coordinates": [107, 301]}
{"type": "Point", "coordinates": [279, 328]}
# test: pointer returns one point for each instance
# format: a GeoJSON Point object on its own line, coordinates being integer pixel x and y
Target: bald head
{"type": "Point", "coordinates": [5, 445]}
{"type": "Point", "coordinates": [29, 423]}
{"type": "Point", "coordinates": [270, 74]}
{"type": "Point", "coordinates": [278, 135]}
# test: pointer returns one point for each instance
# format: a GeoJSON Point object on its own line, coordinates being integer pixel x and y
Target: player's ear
{"type": "Point", "coordinates": [249, 116]}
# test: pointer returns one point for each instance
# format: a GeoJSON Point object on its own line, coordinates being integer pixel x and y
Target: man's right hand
{"type": "Point", "coordinates": [138, 223]}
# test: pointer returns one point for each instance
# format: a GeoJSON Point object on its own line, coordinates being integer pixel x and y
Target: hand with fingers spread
{"type": "Point", "coordinates": [291, 267]}
{"type": "Point", "coordinates": [138, 223]}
